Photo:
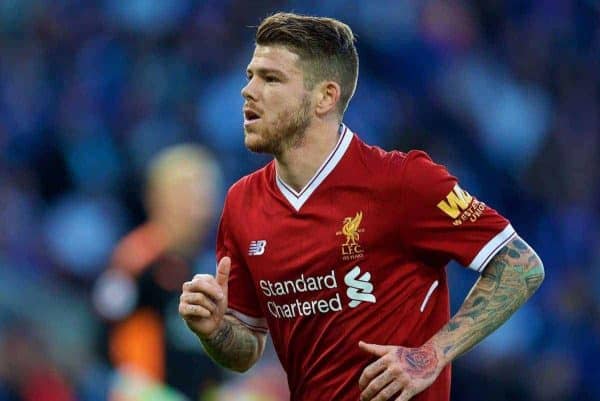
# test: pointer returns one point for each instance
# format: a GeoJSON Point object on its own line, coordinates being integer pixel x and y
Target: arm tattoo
{"type": "Point", "coordinates": [509, 279]}
{"type": "Point", "coordinates": [234, 346]}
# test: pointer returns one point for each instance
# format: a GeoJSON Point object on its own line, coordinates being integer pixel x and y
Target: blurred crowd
{"type": "Point", "coordinates": [111, 111]}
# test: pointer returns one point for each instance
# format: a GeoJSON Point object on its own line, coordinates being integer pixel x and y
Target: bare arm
{"type": "Point", "coordinates": [203, 305]}
{"type": "Point", "coordinates": [235, 346]}
{"type": "Point", "coordinates": [509, 279]}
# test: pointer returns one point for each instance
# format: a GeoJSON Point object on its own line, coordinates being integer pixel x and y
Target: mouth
{"type": "Point", "coordinates": [250, 116]}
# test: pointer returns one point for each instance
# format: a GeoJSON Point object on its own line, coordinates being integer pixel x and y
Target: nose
{"type": "Point", "coordinates": [249, 91]}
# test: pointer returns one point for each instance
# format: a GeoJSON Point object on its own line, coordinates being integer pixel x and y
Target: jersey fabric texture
{"type": "Point", "coordinates": [358, 254]}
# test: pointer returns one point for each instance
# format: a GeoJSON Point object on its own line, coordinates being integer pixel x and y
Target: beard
{"type": "Point", "coordinates": [287, 132]}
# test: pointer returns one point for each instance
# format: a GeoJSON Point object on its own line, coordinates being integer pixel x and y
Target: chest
{"type": "Point", "coordinates": [330, 234]}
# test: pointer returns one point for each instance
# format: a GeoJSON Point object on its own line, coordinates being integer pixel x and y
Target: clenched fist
{"type": "Point", "coordinates": [204, 300]}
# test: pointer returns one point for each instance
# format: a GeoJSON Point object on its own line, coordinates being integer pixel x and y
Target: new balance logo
{"type": "Point", "coordinates": [257, 247]}
{"type": "Point", "coordinates": [359, 288]}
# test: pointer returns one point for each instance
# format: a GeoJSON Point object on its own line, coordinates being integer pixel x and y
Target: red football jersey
{"type": "Point", "coordinates": [358, 254]}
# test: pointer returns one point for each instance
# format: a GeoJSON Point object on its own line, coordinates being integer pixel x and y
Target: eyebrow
{"type": "Point", "coordinates": [264, 71]}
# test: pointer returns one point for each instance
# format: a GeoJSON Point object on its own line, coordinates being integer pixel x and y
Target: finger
{"type": "Point", "coordinates": [376, 385]}
{"type": "Point", "coordinates": [389, 391]}
{"type": "Point", "coordinates": [375, 349]}
{"type": "Point", "coordinates": [191, 311]}
{"type": "Point", "coordinates": [194, 298]}
{"type": "Point", "coordinates": [406, 395]}
{"type": "Point", "coordinates": [371, 372]}
{"type": "Point", "coordinates": [205, 284]}
{"type": "Point", "coordinates": [223, 270]}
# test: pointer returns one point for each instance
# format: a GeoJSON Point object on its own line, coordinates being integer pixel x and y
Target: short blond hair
{"type": "Point", "coordinates": [325, 46]}
{"type": "Point", "coordinates": [178, 159]}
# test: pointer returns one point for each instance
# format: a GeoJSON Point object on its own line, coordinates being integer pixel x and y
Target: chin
{"type": "Point", "coordinates": [255, 143]}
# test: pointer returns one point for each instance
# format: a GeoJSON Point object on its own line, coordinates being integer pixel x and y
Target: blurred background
{"type": "Point", "coordinates": [111, 111]}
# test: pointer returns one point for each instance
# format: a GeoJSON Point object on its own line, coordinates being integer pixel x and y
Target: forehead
{"type": "Point", "coordinates": [275, 58]}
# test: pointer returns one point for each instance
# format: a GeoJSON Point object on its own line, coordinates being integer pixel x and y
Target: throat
{"type": "Point", "coordinates": [299, 165]}
{"type": "Point", "coordinates": [295, 178]}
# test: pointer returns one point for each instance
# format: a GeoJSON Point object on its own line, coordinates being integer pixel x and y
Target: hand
{"type": "Point", "coordinates": [204, 300]}
{"type": "Point", "coordinates": [399, 371]}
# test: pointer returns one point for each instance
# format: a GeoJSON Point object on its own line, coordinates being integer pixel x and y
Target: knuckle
{"type": "Point", "coordinates": [183, 311]}
{"type": "Point", "coordinates": [396, 370]}
{"type": "Point", "coordinates": [369, 392]}
{"type": "Point", "coordinates": [388, 359]}
{"type": "Point", "coordinates": [203, 278]}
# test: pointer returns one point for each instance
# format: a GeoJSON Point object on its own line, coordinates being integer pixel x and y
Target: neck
{"type": "Point", "coordinates": [176, 237]}
{"type": "Point", "coordinates": [298, 164]}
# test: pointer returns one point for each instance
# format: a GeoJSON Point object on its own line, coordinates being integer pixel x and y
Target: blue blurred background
{"type": "Point", "coordinates": [506, 93]}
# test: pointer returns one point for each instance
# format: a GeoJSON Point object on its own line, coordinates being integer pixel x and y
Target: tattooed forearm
{"type": "Point", "coordinates": [510, 278]}
{"type": "Point", "coordinates": [234, 346]}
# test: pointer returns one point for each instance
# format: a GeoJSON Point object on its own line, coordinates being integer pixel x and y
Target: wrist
{"type": "Point", "coordinates": [442, 358]}
{"type": "Point", "coordinates": [221, 331]}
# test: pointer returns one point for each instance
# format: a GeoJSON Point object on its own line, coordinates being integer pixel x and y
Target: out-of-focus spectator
{"type": "Point", "coordinates": [149, 265]}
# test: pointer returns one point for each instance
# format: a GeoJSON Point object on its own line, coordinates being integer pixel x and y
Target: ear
{"type": "Point", "coordinates": [328, 96]}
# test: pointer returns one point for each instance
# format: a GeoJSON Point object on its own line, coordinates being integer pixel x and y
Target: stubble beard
{"type": "Point", "coordinates": [286, 133]}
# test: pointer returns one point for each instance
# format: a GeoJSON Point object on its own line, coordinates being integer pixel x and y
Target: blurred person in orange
{"type": "Point", "coordinates": [137, 294]}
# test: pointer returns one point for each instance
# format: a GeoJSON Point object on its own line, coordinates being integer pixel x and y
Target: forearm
{"type": "Point", "coordinates": [510, 278]}
{"type": "Point", "coordinates": [234, 346]}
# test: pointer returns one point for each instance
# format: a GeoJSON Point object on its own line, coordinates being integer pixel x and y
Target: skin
{"type": "Point", "coordinates": [298, 126]}
{"type": "Point", "coordinates": [508, 280]}
{"type": "Point", "coordinates": [202, 305]}
{"type": "Point", "coordinates": [180, 201]}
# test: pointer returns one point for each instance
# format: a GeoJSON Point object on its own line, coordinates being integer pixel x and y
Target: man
{"type": "Point", "coordinates": [339, 249]}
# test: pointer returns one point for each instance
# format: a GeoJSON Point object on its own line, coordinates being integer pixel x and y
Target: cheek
{"type": "Point", "coordinates": [279, 101]}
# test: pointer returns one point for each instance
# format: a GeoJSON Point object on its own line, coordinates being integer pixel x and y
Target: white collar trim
{"type": "Point", "coordinates": [297, 199]}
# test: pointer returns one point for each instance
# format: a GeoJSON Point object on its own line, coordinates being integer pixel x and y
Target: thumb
{"type": "Point", "coordinates": [375, 349]}
{"type": "Point", "coordinates": [223, 270]}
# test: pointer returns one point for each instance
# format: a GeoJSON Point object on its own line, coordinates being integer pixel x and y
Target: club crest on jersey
{"type": "Point", "coordinates": [351, 248]}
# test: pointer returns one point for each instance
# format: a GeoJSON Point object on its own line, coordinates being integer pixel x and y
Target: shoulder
{"type": "Point", "coordinates": [396, 163]}
{"type": "Point", "coordinates": [424, 180]}
{"type": "Point", "coordinates": [419, 166]}
{"type": "Point", "coordinates": [250, 184]}
{"type": "Point", "coordinates": [374, 157]}
{"type": "Point", "coordinates": [138, 249]}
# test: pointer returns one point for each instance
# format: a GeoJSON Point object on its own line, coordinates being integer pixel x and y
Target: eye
{"type": "Point", "coordinates": [271, 78]}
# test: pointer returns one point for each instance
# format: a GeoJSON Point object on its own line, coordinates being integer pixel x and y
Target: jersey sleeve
{"type": "Point", "coordinates": [242, 300]}
{"type": "Point", "coordinates": [442, 221]}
